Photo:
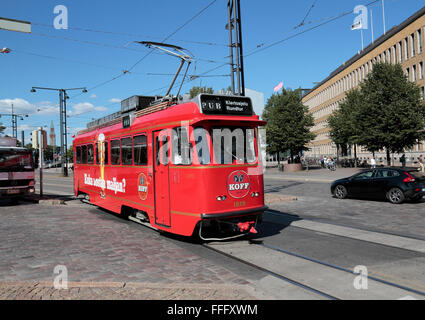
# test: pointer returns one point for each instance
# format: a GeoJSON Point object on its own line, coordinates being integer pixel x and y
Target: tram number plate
{"type": "Point", "coordinates": [13, 191]}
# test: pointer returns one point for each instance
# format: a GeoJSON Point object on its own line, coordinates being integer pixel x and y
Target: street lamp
{"type": "Point", "coordinates": [63, 128]}
{"type": "Point", "coordinates": [14, 121]}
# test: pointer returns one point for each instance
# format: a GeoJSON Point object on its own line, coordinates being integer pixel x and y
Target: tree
{"type": "Point", "coordinates": [288, 123]}
{"type": "Point", "coordinates": [197, 90]}
{"type": "Point", "coordinates": [391, 114]}
{"type": "Point", "coordinates": [342, 122]}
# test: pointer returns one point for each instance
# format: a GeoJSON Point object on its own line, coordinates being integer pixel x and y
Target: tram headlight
{"type": "Point", "coordinates": [223, 198]}
{"type": "Point", "coordinates": [257, 194]}
{"type": "Point", "coordinates": [218, 198]}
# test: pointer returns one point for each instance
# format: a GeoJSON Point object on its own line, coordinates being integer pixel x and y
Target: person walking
{"type": "Point", "coordinates": [421, 163]}
{"type": "Point", "coordinates": [373, 163]}
{"type": "Point", "coordinates": [403, 161]}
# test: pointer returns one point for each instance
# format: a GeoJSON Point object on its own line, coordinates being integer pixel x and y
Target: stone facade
{"type": "Point", "coordinates": [403, 44]}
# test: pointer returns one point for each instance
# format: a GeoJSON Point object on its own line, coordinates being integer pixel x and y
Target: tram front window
{"type": "Point", "coordinates": [233, 145]}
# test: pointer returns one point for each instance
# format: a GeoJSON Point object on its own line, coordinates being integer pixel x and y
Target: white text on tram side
{"type": "Point", "coordinates": [238, 186]}
{"type": "Point", "coordinates": [113, 184]}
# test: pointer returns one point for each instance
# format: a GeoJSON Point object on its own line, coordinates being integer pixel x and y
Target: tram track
{"type": "Point", "coordinates": [384, 289]}
{"type": "Point", "coordinates": [386, 282]}
{"type": "Point", "coordinates": [298, 284]}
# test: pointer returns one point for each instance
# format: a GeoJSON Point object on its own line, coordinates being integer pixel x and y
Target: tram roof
{"type": "Point", "coordinates": [233, 108]}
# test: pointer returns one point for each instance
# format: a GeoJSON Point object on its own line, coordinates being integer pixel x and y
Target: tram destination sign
{"type": "Point", "coordinates": [225, 105]}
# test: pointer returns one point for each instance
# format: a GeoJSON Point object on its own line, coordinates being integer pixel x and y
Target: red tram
{"type": "Point", "coordinates": [176, 166]}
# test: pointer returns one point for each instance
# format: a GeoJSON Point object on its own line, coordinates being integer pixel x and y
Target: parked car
{"type": "Point", "coordinates": [396, 185]}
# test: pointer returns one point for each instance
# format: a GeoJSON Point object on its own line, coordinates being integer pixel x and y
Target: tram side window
{"type": "Point", "coordinates": [162, 153]}
{"type": "Point", "coordinates": [90, 154]}
{"type": "Point", "coordinates": [140, 150]}
{"type": "Point", "coordinates": [115, 151]}
{"type": "Point", "coordinates": [126, 151]}
{"type": "Point", "coordinates": [84, 154]}
{"type": "Point", "coordinates": [200, 136]}
{"type": "Point", "coordinates": [181, 147]}
{"type": "Point", "coordinates": [78, 154]}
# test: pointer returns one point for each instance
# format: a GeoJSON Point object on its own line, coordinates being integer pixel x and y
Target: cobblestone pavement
{"type": "Point", "coordinates": [17, 290]}
{"type": "Point", "coordinates": [97, 246]}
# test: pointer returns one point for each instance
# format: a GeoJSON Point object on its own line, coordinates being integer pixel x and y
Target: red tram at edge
{"type": "Point", "coordinates": [176, 166]}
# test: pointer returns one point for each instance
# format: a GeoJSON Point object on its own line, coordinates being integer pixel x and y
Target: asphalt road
{"type": "Point", "coordinates": [315, 202]}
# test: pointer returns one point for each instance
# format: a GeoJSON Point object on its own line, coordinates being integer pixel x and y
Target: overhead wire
{"type": "Point", "coordinates": [262, 48]}
{"type": "Point", "coordinates": [147, 54]}
{"type": "Point", "coordinates": [131, 35]}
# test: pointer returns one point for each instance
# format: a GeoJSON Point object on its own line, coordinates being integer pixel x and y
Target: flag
{"type": "Point", "coordinates": [357, 25]}
{"type": "Point", "coordinates": [278, 87]}
{"type": "Point", "coordinates": [361, 20]}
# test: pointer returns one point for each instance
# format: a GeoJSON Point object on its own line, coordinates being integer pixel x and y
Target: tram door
{"type": "Point", "coordinates": [162, 144]}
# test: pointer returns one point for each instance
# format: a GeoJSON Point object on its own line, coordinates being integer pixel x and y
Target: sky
{"type": "Point", "coordinates": [294, 42]}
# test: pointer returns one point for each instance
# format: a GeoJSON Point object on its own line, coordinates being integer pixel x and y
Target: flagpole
{"type": "Point", "coordinates": [383, 15]}
{"type": "Point", "coordinates": [371, 24]}
{"type": "Point", "coordinates": [362, 38]}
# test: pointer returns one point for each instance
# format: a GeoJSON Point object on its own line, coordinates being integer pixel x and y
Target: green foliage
{"type": "Point", "coordinates": [197, 90]}
{"type": "Point", "coordinates": [49, 152]}
{"type": "Point", "coordinates": [392, 112]}
{"type": "Point", "coordinates": [385, 112]}
{"type": "Point", "coordinates": [343, 129]}
{"type": "Point", "coordinates": [2, 128]}
{"type": "Point", "coordinates": [288, 123]}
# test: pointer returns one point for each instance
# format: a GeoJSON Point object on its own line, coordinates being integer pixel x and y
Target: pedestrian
{"type": "Point", "coordinates": [373, 163]}
{"type": "Point", "coordinates": [403, 161]}
{"type": "Point", "coordinates": [421, 163]}
{"type": "Point", "coordinates": [322, 161]}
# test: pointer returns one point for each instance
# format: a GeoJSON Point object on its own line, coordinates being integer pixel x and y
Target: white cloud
{"type": "Point", "coordinates": [93, 96]}
{"type": "Point", "coordinates": [85, 107]}
{"type": "Point", "coordinates": [114, 100]}
{"type": "Point", "coordinates": [21, 106]}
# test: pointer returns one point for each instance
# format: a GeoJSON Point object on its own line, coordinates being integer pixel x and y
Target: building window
{"type": "Point", "coordinates": [400, 52]}
{"type": "Point", "coordinates": [414, 73]}
{"type": "Point", "coordinates": [406, 49]}
{"type": "Point", "coordinates": [423, 93]}
{"type": "Point", "coordinates": [420, 40]}
{"type": "Point", "coordinates": [394, 54]}
{"type": "Point", "coordinates": [421, 70]}
{"type": "Point", "coordinates": [408, 74]}
{"type": "Point", "coordinates": [412, 44]}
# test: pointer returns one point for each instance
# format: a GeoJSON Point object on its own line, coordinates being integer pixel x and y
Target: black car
{"type": "Point", "coordinates": [394, 184]}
